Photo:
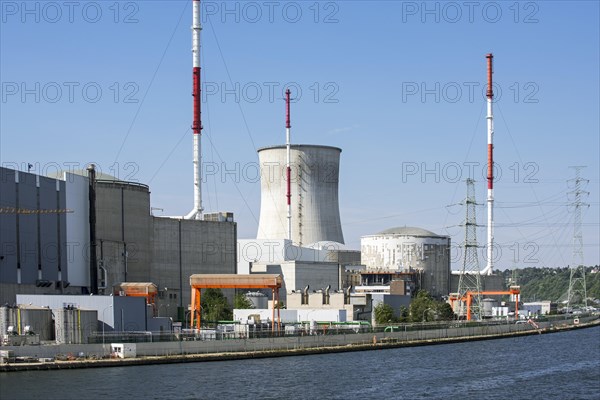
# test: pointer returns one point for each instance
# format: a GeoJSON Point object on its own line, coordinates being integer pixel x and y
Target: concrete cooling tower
{"type": "Point", "coordinates": [314, 176]}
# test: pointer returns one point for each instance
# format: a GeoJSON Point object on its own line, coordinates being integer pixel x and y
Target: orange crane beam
{"type": "Point", "coordinates": [234, 281]}
{"type": "Point", "coordinates": [469, 298]}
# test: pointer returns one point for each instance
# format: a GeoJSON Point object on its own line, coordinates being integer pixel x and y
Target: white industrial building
{"type": "Point", "coordinates": [290, 316]}
{"type": "Point", "coordinates": [540, 307]}
{"type": "Point", "coordinates": [299, 266]}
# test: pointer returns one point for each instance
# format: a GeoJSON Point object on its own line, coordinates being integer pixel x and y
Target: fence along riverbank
{"type": "Point", "coordinates": [86, 356]}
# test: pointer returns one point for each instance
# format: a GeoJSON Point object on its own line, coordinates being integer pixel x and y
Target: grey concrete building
{"type": "Point", "coordinates": [181, 248]}
{"type": "Point", "coordinates": [48, 252]}
{"type": "Point", "coordinates": [135, 246]}
{"type": "Point", "coordinates": [123, 231]}
{"type": "Point", "coordinates": [117, 313]}
{"type": "Point", "coordinates": [35, 252]}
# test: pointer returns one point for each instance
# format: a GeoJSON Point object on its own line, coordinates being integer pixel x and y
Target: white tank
{"type": "Point", "coordinates": [259, 300]}
{"type": "Point", "coordinates": [314, 194]}
{"type": "Point", "coordinates": [488, 306]}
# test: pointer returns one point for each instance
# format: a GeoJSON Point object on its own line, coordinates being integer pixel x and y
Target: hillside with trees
{"type": "Point", "coordinates": [539, 284]}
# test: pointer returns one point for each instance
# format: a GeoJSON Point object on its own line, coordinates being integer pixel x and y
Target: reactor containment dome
{"type": "Point", "coordinates": [406, 249]}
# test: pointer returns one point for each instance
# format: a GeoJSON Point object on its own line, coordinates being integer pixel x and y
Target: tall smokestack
{"type": "Point", "coordinates": [490, 174]}
{"type": "Point", "coordinates": [196, 213]}
{"type": "Point", "coordinates": [288, 126]}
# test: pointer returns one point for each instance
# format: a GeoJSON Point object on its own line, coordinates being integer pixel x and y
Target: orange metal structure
{"type": "Point", "coordinates": [230, 281]}
{"type": "Point", "coordinates": [138, 289]}
{"type": "Point", "coordinates": [514, 290]}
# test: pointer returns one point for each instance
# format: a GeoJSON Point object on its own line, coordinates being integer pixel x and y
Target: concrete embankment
{"type": "Point", "coordinates": [239, 349]}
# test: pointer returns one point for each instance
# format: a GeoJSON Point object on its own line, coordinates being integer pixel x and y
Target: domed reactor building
{"type": "Point", "coordinates": [409, 249]}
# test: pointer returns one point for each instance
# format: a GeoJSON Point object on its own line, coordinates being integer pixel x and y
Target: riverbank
{"type": "Point", "coordinates": [376, 342]}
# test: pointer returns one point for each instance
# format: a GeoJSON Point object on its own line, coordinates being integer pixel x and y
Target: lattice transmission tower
{"type": "Point", "coordinates": [577, 294]}
{"type": "Point", "coordinates": [470, 274]}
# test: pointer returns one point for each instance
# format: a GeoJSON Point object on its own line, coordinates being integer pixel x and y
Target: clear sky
{"type": "Point", "coordinates": [398, 85]}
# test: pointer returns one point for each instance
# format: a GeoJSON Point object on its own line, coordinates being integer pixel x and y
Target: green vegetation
{"type": "Point", "coordinates": [384, 314]}
{"type": "Point", "coordinates": [424, 308]}
{"type": "Point", "coordinates": [215, 306]}
{"type": "Point", "coordinates": [241, 302]}
{"type": "Point", "coordinates": [551, 283]}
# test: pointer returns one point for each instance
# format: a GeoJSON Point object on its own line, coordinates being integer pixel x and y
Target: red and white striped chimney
{"type": "Point", "coordinates": [196, 213]}
{"type": "Point", "coordinates": [490, 172]}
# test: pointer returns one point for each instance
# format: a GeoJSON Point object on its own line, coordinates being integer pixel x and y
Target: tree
{"type": "Point", "coordinates": [418, 310]}
{"type": "Point", "coordinates": [445, 312]}
{"type": "Point", "coordinates": [241, 302]}
{"type": "Point", "coordinates": [403, 314]}
{"type": "Point", "coordinates": [215, 306]}
{"type": "Point", "coordinates": [384, 313]}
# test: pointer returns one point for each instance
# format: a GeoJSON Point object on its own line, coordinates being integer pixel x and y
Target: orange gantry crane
{"type": "Point", "coordinates": [233, 281]}
{"type": "Point", "coordinates": [146, 290]}
{"type": "Point", "coordinates": [468, 298]}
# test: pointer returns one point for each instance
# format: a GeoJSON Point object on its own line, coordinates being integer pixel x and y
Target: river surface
{"type": "Point", "coordinates": [554, 366]}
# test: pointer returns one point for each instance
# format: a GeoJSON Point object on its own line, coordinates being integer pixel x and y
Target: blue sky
{"type": "Point", "coordinates": [397, 85]}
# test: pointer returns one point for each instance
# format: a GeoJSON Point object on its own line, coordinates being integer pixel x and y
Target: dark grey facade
{"type": "Point", "coordinates": [132, 245]}
{"type": "Point", "coordinates": [181, 248]}
{"type": "Point", "coordinates": [33, 245]}
{"type": "Point", "coordinates": [123, 231]}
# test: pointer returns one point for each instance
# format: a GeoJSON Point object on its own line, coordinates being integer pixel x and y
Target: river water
{"type": "Point", "coordinates": [555, 366]}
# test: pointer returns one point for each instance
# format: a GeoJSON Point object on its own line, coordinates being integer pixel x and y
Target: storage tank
{"type": "Point", "coordinates": [407, 249]}
{"type": "Point", "coordinates": [314, 180]}
{"type": "Point", "coordinates": [74, 326]}
{"type": "Point", "coordinates": [259, 300]}
{"type": "Point", "coordinates": [488, 306]}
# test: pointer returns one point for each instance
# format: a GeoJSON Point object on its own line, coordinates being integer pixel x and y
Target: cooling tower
{"type": "Point", "coordinates": [314, 177]}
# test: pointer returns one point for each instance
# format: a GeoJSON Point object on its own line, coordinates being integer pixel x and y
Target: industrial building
{"type": "Point", "coordinates": [135, 246]}
{"type": "Point", "coordinates": [540, 307]}
{"type": "Point", "coordinates": [299, 231]}
{"type": "Point", "coordinates": [411, 250]}
{"type": "Point", "coordinates": [299, 266]}
{"type": "Point", "coordinates": [116, 313]}
{"type": "Point", "coordinates": [42, 251]}
{"type": "Point", "coordinates": [73, 319]}
{"type": "Point", "coordinates": [45, 240]}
